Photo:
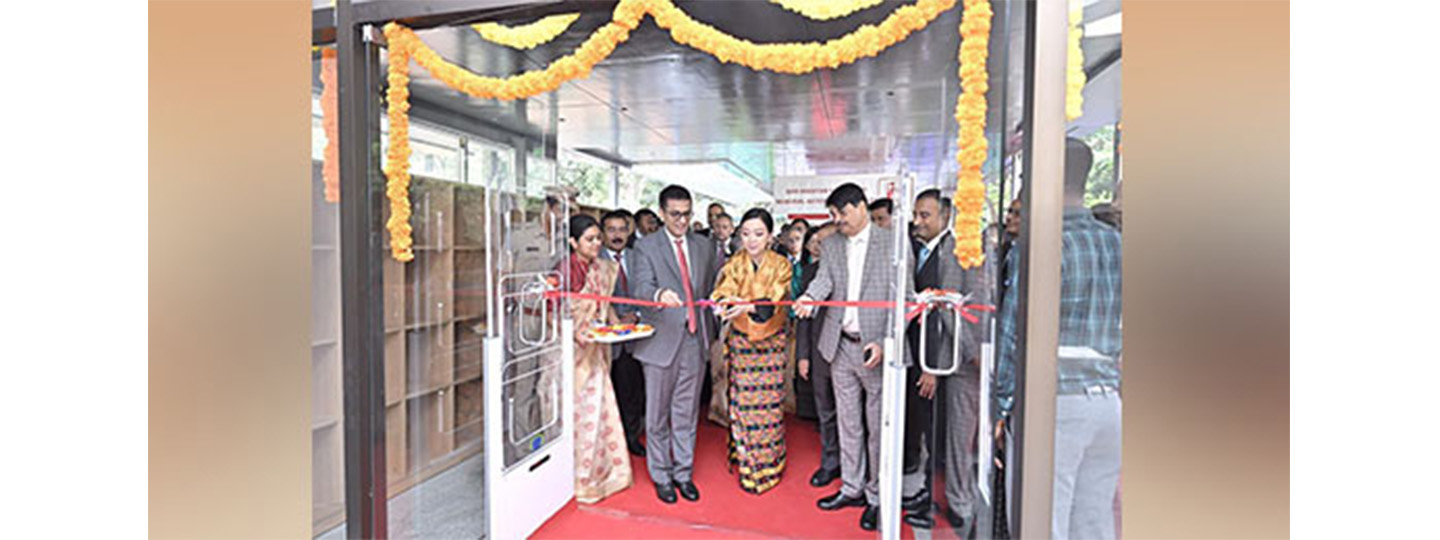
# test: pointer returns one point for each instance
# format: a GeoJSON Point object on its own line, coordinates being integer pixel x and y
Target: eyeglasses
{"type": "Point", "coordinates": [680, 215]}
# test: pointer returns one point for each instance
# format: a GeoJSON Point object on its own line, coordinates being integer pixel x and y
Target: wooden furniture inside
{"type": "Point", "coordinates": [435, 319]}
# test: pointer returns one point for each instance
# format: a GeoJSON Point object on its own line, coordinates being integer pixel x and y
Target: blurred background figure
{"type": "Point", "coordinates": [881, 210]}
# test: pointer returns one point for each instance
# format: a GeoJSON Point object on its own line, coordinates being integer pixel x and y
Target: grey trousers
{"type": "Point", "coordinates": [820, 382]}
{"type": "Point", "coordinates": [672, 396]}
{"type": "Point", "coordinates": [851, 378]}
{"type": "Point", "coordinates": [962, 409]}
{"type": "Point", "coordinates": [1087, 466]}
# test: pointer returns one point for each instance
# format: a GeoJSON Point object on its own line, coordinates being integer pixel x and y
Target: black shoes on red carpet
{"type": "Point", "coordinates": [871, 518]}
{"type": "Point", "coordinates": [688, 491]}
{"type": "Point", "coordinates": [838, 500]}
{"type": "Point", "coordinates": [636, 449]}
{"type": "Point", "coordinates": [823, 477]}
{"type": "Point", "coordinates": [666, 493]}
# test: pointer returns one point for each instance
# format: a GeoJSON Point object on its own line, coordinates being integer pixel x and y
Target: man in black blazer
{"type": "Point", "coordinates": [816, 370]}
{"type": "Point", "coordinates": [959, 394]}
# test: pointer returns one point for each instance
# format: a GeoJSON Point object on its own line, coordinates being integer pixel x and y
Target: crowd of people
{"type": "Point", "coordinates": [747, 362]}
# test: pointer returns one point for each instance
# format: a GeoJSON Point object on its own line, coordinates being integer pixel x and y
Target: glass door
{"type": "Point", "coordinates": [528, 373]}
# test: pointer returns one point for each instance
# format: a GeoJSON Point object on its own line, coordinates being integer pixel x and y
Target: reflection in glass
{"type": "Point", "coordinates": [1087, 403]}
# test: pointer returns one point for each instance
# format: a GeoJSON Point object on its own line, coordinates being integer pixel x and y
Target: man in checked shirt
{"type": "Point", "coordinates": [1087, 405]}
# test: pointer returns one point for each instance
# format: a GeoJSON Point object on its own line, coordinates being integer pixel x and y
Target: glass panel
{"type": "Point", "coordinates": [327, 426]}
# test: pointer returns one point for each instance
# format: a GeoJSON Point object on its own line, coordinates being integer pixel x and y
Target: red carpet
{"type": "Point", "coordinates": [724, 511]}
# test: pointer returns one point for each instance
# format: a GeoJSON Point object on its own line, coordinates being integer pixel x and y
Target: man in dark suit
{"type": "Point", "coordinates": [676, 268]}
{"type": "Point", "coordinates": [857, 264]}
{"type": "Point", "coordinates": [625, 372]}
{"type": "Point", "coordinates": [816, 370]}
{"type": "Point", "coordinates": [937, 268]}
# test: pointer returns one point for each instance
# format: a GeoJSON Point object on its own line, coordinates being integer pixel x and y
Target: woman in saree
{"type": "Point", "coordinates": [757, 357]}
{"type": "Point", "coordinates": [602, 464]}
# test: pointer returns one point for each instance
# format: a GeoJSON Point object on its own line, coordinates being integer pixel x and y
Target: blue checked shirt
{"type": "Point", "coordinates": [1089, 308]}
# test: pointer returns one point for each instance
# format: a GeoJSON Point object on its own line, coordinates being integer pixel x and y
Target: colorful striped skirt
{"type": "Point", "coordinates": [757, 422]}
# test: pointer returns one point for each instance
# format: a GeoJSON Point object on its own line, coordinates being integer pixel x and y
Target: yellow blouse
{"type": "Point", "coordinates": [740, 278]}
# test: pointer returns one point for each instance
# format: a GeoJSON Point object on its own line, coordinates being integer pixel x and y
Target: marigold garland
{"type": "Point", "coordinates": [397, 157]}
{"type": "Point", "coordinates": [527, 36]}
{"type": "Point", "coordinates": [824, 10]}
{"type": "Point", "coordinates": [330, 172]}
{"type": "Point", "coordinates": [792, 58]}
{"type": "Point", "coordinates": [797, 58]}
{"type": "Point", "coordinates": [1075, 66]}
{"type": "Point", "coordinates": [972, 147]}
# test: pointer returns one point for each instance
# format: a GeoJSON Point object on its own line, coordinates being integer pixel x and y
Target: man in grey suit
{"type": "Point", "coordinates": [858, 264]}
{"type": "Point", "coordinates": [676, 268]}
{"type": "Point", "coordinates": [959, 394]}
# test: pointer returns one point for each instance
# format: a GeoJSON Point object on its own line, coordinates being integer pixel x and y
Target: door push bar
{"type": "Point", "coordinates": [954, 301]}
{"type": "Point", "coordinates": [536, 292]}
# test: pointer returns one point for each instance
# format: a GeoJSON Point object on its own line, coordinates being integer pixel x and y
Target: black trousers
{"type": "Point", "coordinates": [919, 413]}
{"type": "Point", "coordinates": [628, 377]}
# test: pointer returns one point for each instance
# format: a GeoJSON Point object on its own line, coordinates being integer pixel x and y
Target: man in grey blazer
{"type": "Point", "coordinates": [959, 394]}
{"type": "Point", "coordinates": [858, 264]}
{"type": "Point", "coordinates": [676, 268]}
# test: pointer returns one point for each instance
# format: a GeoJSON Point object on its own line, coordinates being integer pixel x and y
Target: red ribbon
{"type": "Point", "coordinates": [916, 308]}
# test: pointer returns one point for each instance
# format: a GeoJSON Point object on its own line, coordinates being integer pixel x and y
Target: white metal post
{"type": "Point", "coordinates": [892, 391]}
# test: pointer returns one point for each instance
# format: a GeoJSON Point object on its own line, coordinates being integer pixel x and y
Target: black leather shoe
{"type": "Point", "coordinates": [920, 521]}
{"type": "Point", "coordinates": [917, 503]}
{"type": "Point", "coordinates": [871, 518]}
{"type": "Point", "coordinates": [666, 493]}
{"type": "Point", "coordinates": [688, 491]}
{"type": "Point", "coordinates": [636, 449]}
{"type": "Point", "coordinates": [838, 500]}
{"type": "Point", "coordinates": [823, 477]}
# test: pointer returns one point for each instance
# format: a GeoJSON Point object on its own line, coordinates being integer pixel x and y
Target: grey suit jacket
{"type": "Point", "coordinates": [942, 271]}
{"type": "Point", "coordinates": [653, 267]}
{"type": "Point", "coordinates": [877, 283]}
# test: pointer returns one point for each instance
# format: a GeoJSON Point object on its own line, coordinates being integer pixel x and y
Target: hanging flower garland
{"type": "Point", "coordinates": [792, 58]}
{"type": "Point", "coordinates": [330, 172]}
{"type": "Point", "coordinates": [972, 147]}
{"type": "Point", "coordinates": [527, 36]}
{"type": "Point", "coordinates": [1075, 66]}
{"type": "Point", "coordinates": [797, 58]}
{"type": "Point", "coordinates": [397, 157]}
{"type": "Point", "coordinates": [824, 10]}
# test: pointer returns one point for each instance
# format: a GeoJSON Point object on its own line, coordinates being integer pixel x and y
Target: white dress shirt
{"type": "Point", "coordinates": [858, 245]}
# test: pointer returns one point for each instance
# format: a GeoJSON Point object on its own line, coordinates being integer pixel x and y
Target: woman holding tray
{"type": "Point", "coordinates": [602, 464]}
{"type": "Point", "coordinates": [757, 353]}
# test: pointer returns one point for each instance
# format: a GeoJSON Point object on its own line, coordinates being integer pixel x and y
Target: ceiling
{"type": "Point", "coordinates": [655, 100]}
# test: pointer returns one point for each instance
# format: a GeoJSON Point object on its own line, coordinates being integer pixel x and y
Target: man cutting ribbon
{"type": "Point", "coordinates": [675, 268]}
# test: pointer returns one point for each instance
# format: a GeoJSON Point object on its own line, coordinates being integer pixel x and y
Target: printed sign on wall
{"type": "Point", "coordinates": [803, 197]}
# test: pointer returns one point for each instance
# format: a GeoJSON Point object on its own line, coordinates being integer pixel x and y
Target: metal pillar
{"type": "Point", "coordinates": [361, 279]}
{"type": "Point", "coordinates": [1045, 163]}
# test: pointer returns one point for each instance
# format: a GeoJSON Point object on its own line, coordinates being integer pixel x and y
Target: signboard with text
{"type": "Point", "coordinates": [803, 197]}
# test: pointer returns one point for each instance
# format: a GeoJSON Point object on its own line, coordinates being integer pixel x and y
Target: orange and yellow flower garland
{"type": "Point", "coordinates": [330, 172]}
{"type": "Point", "coordinates": [527, 36]}
{"type": "Point", "coordinates": [792, 58]}
{"type": "Point", "coordinates": [824, 10]}
{"type": "Point", "coordinates": [797, 58]}
{"type": "Point", "coordinates": [972, 147]}
{"type": "Point", "coordinates": [397, 157]}
{"type": "Point", "coordinates": [1075, 66]}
